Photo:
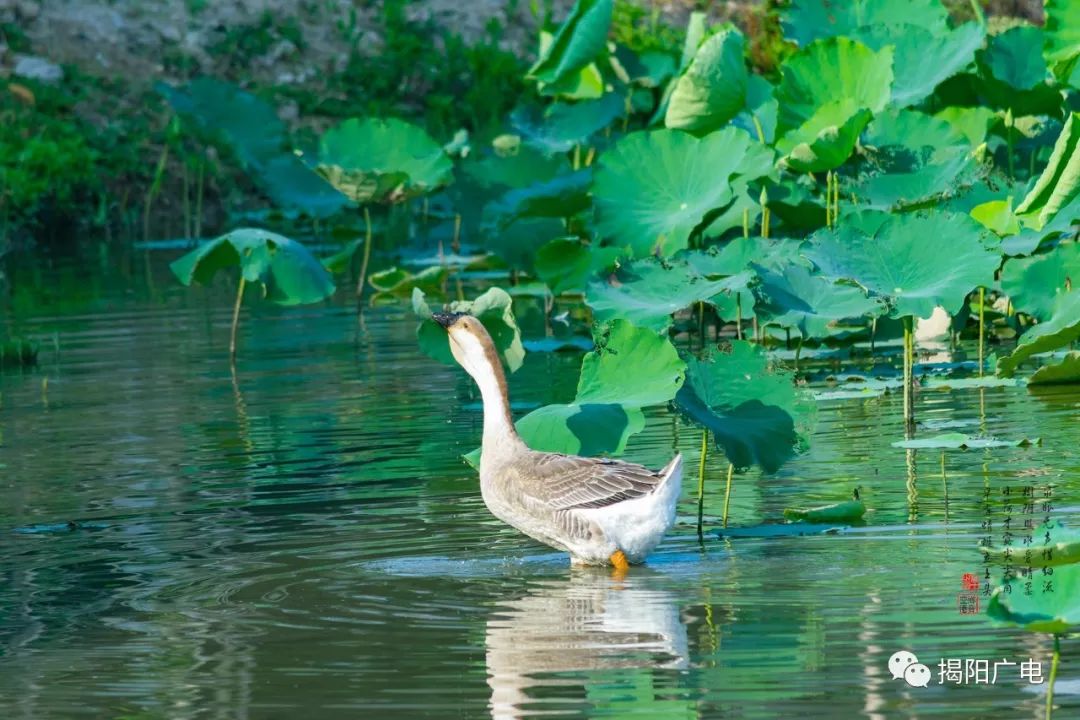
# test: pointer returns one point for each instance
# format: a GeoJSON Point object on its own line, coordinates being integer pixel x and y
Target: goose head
{"type": "Point", "coordinates": [470, 344]}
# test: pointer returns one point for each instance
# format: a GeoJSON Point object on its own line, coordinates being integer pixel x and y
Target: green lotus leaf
{"type": "Point", "coordinates": [341, 261]}
{"type": "Point", "coordinates": [647, 292]}
{"type": "Point", "coordinates": [290, 184]}
{"type": "Point", "coordinates": [998, 216]}
{"type": "Point", "coordinates": [796, 298]}
{"type": "Point", "coordinates": [576, 429]}
{"type": "Point", "coordinates": [1059, 182]}
{"type": "Point", "coordinates": [518, 242]}
{"type": "Point", "coordinates": [835, 70]}
{"type": "Point", "coordinates": [565, 264]}
{"type": "Point", "coordinates": [1015, 57]}
{"type": "Point", "coordinates": [1062, 328]}
{"type": "Point", "coordinates": [494, 309]}
{"type": "Point", "coordinates": [653, 190]}
{"type": "Point", "coordinates": [735, 256]}
{"type": "Point", "coordinates": [960, 441]}
{"type": "Point", "coordinates": [712, 90]}
{"type": "Point", "coordinates": [805, 21]}
{"type": "Point", "coordinates": [578, 41]}
{"type": "Point", "coordinates": [288, 272]}
{"type": "Point", "coordinates": [758, 117]}
{"type": "Point", "coordinates": [1061, 33]}
{"type": "Point", "coordinates": [913, 130]}
{"type": "Point", "coordinates": [631, 367]}
{"type": "Point", "coordinates": [906, 263]}
{"type": "Point", "coordinates": [1036, 283]}
{"type": "Point", "coordinates": [517, 170]}
{"type": "Point", "coordinates": [1065, 372]}
{"type": "Point", "coordinates": [249, 125]}
{"type": "Point", "coordinates": [383, 161]}
{"type": "Point", "coordinates": [402, 282]}
{"type": "Point", "coordinates": [1054, 612]}
{"type": "Point", "coordinates": [562, 196]}
{"type": "Point", "coordinates": [972, 122]}
{"type": "Point", "coordinates": [923, 59]}
{"type": "Point", "coordinates": [826, 140]}
{"type": "Point", "coordinates": [565, 125]}
{"type": "Point", "coordinates": [837, 512]}
{"type": "Point", "coordinates": [750, 407]}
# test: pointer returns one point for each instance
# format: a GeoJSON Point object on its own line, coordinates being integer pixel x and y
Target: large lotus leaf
{"type": "Point", "coordinates": [916, 261]}
{"type": "Point", "coordinates": [1015, 57]}
{"type": "Point", "coordinates": [826, 140]}
{"type": "Point", "coordinates": [1055, 612]}
{"type": "Point", "coordinates": [749, 406]}
{"type": "Point", "coordinates": [1062, 328]}
{"type": "Point", "coordinates": [579, 40]}
{"type": "Point", "coordinates": [652, 190]}
{"type": "Point", "coordinates": [713, 89]}
{"type": "Point", "coordinates": [631, 366]}
{"type": "Point", "coordinates": [383, 161]}
{"type": "Point", "coordinates": [564, 125]}
{"type": "Point", "coordinates": [914, 130]}
{"type": "Point", "coordinates": [494, 311]}
{"type": "Point", "coordinates": [807, 20]}
{"type": "Point", "coordinates": [828, 71]}
{"type": "Point", "coordinates": [922, 59]}
{"type": "Point", "coordinates": [290, 184]}
{"type": "Point", "coordinates": [1052, 543]}
{"type": "Point", "coordinates": [1059, 182]}
{"type": "Point", "coordinates": [577, 429]}
{"type": "Point", "coordinates": [736, 255]}
{"type": "Point", "coordinates": [1065, 372]}
{"type": "Point", "coordinates": [1061, 33]}
{"type": "Point", "coordinates": [797, 298]}
{"type": "Point", "coordinates": [1036, 283]}
{"type": "Point", "coordinates": [248, 124]}
{"type": "Point", "coordinates": [288, 272]}
{"type": "Point", "coordinates": [562, 196]}
{"type": "Point", "coordinates": [648, 291]}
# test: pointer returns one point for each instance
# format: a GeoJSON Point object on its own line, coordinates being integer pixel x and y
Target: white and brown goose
{"type": "Point", "coordinates": [601, 511]}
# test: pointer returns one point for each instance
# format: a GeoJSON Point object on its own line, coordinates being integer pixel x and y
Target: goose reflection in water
{"type": "Point", "coordinates": [589, 621]}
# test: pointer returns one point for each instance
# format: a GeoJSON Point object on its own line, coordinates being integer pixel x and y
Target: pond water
{"type": "Point", "coordinates": [304, 537]}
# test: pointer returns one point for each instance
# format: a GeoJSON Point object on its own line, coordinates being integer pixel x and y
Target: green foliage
{"type": "Point", "coordinates": [712, 90]}
{"type": "Point", "coordinates": [381, 161]}
{"type": "Point", "coordinates": [288, 272]}
{"type": "Point", "coordinates": [494, 309]}
{"type": "Point", "coordinates": [905, 263]}
{"type": "Point", "coordinates": [578, 41]}
{"type": "Point", "coordinates": [1035, 284]}
{"type": "Point", "coordinates": [846, 511]}
{"type": "Point", "coordinates": [1050, 612]}
{"type": "Point", "coordinates": [1062, 328]}
{"type": "Point", "coordinates": [688, 180]}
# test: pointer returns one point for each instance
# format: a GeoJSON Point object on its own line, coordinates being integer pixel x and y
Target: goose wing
{"type": "Point", "coordinates": [564, 482]}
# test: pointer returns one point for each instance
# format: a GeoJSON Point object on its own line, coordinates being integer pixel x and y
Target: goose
{"type": "Point", "coordinates": [600, 511]}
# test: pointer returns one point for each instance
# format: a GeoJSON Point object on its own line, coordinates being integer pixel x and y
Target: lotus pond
{"type": "Point", "coordinates": [237, 474]}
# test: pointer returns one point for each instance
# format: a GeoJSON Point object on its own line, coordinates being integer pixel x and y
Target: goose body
{"type": "Point", "coordinates": [600, 511]}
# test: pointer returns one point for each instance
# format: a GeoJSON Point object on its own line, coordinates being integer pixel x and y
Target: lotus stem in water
{"type": "Point", "coordinates": [236, 318]}
{"type": "Point", "coordinates": [1053, 676]}
{"type": "Point", "coordinates": [982, 301]}
{"type": "Point", "coordinates": [367, 254]}
{"type": "Point", "coordinates": [727, 493]}
{"type": "Point", "coordinates": [909, 370]}
{"type": "Point", "coordinates": [701, 480]}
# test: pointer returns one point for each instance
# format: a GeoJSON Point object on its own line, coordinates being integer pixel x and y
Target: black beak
{"type": "Point", "coordinates": [446, 319]}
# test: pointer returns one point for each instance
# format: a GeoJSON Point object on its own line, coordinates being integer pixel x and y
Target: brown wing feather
{"type": "Point", "coordinates": [564, 482]}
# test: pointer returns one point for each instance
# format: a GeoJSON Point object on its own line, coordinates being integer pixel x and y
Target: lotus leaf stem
{"type": "Point", "coordinates": [727, 493]}
{"type": "Point", "coordinates": [236, 318]}
{"type": "Point", "coordinates": [367, 254]}
{"type": "Point", "coordinates": [909, 370]}
{"type": "Point", "coordinates": [758, 128]}
{"type": "Point", "coordinates": [455, 244]}
{"type": "Point", "coordinates": [982, 301]}
{"type": "Point", "coordinates": [1053, 676]}
{"type": "Point", "coordinates": [738, 315]}
{"type": "Point", "coordinates": [155, 187]}
{"type": "Point", "coordinates": [701, 480]}
{"type": "Point", "coordinates": [746, 222]}
{"type": "Point", "coordinates": [945, 485]}
{"type": "Point", "coordinates": [199, 185]}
